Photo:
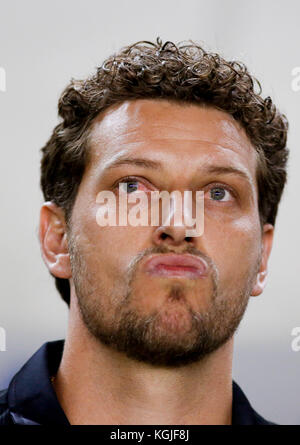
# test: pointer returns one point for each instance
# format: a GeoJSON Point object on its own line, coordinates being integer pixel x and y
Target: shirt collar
{"type": "Point", "coordinates": [31, 396]}
{"type": "Point", "coordinates": [32, 399]}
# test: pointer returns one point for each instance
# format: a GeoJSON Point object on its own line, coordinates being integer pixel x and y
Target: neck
{"type": "Point", "coordinates": [97, 385]}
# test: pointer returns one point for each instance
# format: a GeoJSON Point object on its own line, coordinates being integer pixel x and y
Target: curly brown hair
{"type": "Point", "coordinates": [184, 72]}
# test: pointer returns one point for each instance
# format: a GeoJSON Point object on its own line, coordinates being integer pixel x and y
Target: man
{"type": "Point", "coordinates": [153, 311]}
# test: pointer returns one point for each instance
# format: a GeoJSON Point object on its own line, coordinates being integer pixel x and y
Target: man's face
{"type": "Point", "coordinates": [166, 319]}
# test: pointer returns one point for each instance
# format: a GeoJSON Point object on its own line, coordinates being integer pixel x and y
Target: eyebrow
{"type": "Point", "coordinates": [156, 165]}
{"type": "Point", "coordinates": [227, 170]}
{"type": "Point", "coordinates": [140, 162]}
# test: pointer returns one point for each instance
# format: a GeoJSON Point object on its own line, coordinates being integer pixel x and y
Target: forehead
{"type": "Point", "coordinates": [160, 130]}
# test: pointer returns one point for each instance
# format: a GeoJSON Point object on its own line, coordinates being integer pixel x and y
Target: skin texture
{"type": "Point", "coordinates": [103, 379]}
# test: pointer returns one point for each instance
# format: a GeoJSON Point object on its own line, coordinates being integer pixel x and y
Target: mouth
{"type": "Point", "coordinates": [174, 265]}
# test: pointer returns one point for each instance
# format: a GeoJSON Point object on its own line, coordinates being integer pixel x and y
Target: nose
{"type": "Point", "coordinates": [171, 235]}
{"type": "Point", "coordinates": [177, 210]}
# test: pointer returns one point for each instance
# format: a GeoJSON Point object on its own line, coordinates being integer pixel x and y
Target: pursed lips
{"type": "Point", "coordinates": [183, 265]}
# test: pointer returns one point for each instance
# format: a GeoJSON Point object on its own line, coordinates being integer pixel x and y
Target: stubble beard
{"type": "Point", "coordinates": [167, 337]}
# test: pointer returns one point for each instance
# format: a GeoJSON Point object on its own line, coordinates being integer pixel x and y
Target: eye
{"type": "Point", "coordinates": [220, 193]}
{"type": "Point", "coordinates": [130, 185]}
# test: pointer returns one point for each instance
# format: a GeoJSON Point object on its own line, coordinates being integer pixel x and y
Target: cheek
{"type": "Point", "coordinates": [109, 249]}
{"type": "Point", "coordinates": [234, 248]}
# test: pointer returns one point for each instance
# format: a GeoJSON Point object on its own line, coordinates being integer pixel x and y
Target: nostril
{"type": "Point", "coordinates": [164, 235]}
{"type": "Point", "coordinates": [188, 238]}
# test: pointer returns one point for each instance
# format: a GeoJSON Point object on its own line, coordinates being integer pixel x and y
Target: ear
{"type": "Point", "coordinates": [267, 242]}
{"type": "Point", "coordinates": [53, 240]}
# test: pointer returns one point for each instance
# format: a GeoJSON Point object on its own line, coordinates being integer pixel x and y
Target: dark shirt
{"type": "Point", "coordinates": [31, 400]}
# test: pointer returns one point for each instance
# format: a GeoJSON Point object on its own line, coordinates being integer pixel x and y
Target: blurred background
{"type": "Point", "coordinates": [43, 45]}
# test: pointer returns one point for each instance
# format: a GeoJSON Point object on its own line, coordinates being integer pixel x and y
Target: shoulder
{"type": "Point", "coordinates": [3, 400]}
{"type": "Point", "coordinates": [5, 417]}
{"type": "Point", "coordinates": [243, 412]}
{"type": "Point", "coordinates": [259, 420]}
